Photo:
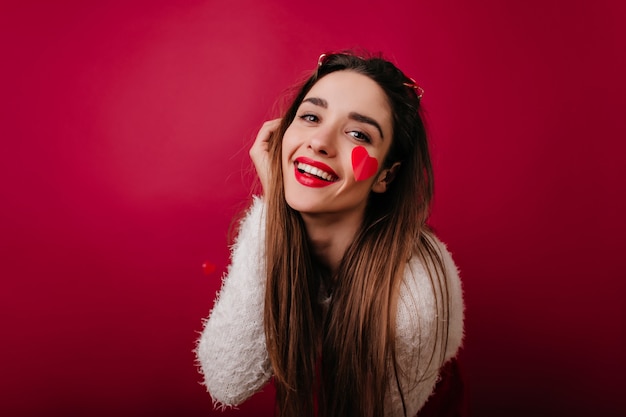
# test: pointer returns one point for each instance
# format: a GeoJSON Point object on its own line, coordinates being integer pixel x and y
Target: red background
{"type": "Point", "coordinates": [125, 129]}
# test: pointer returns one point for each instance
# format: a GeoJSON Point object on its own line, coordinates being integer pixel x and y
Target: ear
{"type": "Point", "coordinates": [385, 177]}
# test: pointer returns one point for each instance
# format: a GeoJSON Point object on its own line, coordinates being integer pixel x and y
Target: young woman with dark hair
{"type": "Point", "coordinates": [337, 287]}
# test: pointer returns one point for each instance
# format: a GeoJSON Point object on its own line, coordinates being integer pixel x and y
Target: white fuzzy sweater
{"type": "Point", "coordinates": [232, 353]}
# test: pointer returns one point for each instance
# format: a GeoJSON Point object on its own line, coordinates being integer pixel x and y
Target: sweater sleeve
{"type": "Point", "coordinates": [419, 352]}
{"type": "Point", "coordinates": [231, 351]}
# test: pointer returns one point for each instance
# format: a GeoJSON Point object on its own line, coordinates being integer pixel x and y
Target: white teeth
{"type": "Point", "coordinates": [315, 171]}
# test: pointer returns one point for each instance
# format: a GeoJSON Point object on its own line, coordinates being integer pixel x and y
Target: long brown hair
{"type": "Point", "coordinates": [341, 364]}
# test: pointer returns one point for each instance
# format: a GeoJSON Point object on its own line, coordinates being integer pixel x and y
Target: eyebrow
{"type": "Point", "coordinates": [353, 115]}
{"type": "Point", "coordinates": [317, 101]}
{"type": "Point", "coordinates": [365, 119]}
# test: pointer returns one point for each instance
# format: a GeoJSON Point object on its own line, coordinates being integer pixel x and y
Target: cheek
{"type": "Point", "coordinates": [363, 165]}
{"type": "Point", "coordinates": [285, 149]}
{"type": "Point", "coordinates": [288, 143]}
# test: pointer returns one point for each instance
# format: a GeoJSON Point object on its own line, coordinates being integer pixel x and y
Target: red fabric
{"type": "Point", "coordinates": [450, 396]}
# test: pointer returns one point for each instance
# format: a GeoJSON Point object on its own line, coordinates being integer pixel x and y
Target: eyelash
{"type": "Point", "coordinates": [307, 117]}
{"type": "Point", "coordinates": [360, 136]}
{"type": "Point", "coordinates": [363, 138]}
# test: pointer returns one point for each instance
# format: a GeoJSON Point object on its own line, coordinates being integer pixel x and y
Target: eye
{"type": "Point", "coordinates": [360, 136]}
{"type": "Point", "coordinates": [307, 117]}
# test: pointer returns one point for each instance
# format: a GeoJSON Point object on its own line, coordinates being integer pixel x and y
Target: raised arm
{"type": "Point", "coordinates": [231, 351]}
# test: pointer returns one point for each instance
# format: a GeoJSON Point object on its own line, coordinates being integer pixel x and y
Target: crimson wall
{"type": "Point", "coordinates": [125, 128]}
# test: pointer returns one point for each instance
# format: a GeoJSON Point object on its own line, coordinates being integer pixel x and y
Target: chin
{"type": "Point", "coordinates": [298, 205]}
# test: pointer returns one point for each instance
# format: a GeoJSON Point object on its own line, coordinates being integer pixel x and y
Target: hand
{"type": "Point", "coordinates": [259, 152]}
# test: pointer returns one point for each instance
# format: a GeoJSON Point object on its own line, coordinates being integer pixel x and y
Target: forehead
{"type": "Point", "coordinates": [348, 91]}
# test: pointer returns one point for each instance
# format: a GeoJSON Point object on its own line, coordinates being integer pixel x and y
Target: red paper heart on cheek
{"type": "Point", "coordinates": [363, 165]}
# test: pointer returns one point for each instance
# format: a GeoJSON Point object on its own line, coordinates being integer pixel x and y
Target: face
{"type": "Point", "coordinates": [332, 151]}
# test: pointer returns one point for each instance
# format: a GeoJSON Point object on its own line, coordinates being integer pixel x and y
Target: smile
{"type": "Point", "coordinates": [313, 173]}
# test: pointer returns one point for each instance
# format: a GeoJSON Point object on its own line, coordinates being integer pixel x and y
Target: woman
{"type": "Point", "coordinates": [337, 288]}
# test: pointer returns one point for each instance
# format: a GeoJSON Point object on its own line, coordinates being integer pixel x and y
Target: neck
{"type": "Point", "coordinates": [331, 236]}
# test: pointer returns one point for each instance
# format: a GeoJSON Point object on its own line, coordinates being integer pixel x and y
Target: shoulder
{"type": "Point", "coordinates": [426, 293]}
{"type": "Point", "coordinates": [251, 227]}
{"type": "Point", "coordinates": [253, 220]}
{"type": "Point", "coordinates": [429, 322]}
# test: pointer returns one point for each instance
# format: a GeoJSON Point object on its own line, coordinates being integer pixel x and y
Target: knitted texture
{"type": "Point", "coordinates": [416, 321]}
{"type": "Point", "coordinates": [232, 353]}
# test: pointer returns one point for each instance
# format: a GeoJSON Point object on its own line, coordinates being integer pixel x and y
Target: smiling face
{"type": "Point", "coordinates": [332, 151]}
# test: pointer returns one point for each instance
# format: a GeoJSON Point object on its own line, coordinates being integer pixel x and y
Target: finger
{"type": "Point", "coordinates": [266, 130]}
{"type": "Point", "coordinates": [260, 147]}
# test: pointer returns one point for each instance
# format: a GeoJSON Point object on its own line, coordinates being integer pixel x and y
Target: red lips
{"type": "Point", "coordinates": [311, 180]}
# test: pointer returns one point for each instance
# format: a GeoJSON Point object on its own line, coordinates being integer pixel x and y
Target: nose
{"type": "Point", "coordinates": [323, 142]}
